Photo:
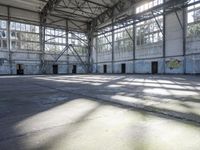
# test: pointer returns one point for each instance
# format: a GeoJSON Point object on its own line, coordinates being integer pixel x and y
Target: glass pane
{"type": "Point", "coordinates": [23, 27]}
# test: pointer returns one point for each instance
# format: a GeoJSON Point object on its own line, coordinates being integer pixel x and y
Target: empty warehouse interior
{"type": "Point", "coordinates": [61, 37]}
{"type": "Point", "coordinates": [99, 74]}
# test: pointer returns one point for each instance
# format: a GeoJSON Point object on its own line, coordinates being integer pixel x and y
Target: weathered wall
{"type": "Point", "coordinates": [171, 60]}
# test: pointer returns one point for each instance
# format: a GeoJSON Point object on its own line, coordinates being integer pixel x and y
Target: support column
{"type": "Point", "coordinates": [184, 39]}
{"type": "Point", "coordinates": [9, 42]}
{"type": "Point", "coordinates": [90, 46]}
{"type": "Point", "coordinates": [112, 50]}
{"type": "Point", "coordinates": [42, 45]}
{"type": "Point", "coordinates": [133, 40]}
{"type": "Point", "coordinates": [67, 43]}
{"type": "Point", "coordinates": [164, 41]}
{"type": "Point", "coordinates": [96, 49]}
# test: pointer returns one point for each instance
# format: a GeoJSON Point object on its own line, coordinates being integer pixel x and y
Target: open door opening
{"type": "Point", "coordinates": [104, 68]}
{"type": "Point", "coordinates": [20, 69]}
{"type": "Point", "coordinates": [55, 69]}
{"type": "Point", "coordinates": [154, 67]}
{"type": "Point", "coordinates": [74, 69]}
{"type": "Point", "coordinates": [123, 68]}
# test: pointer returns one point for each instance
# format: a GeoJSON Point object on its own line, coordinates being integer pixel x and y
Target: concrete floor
{"type": "Point", "coordinates": [100, 112]}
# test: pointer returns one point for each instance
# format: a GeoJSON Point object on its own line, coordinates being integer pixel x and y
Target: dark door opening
{"type": "Point", "coordinates": [20, 70]}
{"type": "Point", "coordinates": [74, 69]}
{"type": "Point", "coordinates": [123, 68]}
{"type": "Point", "coordinates": [104, 68]}
{"type": "Point", "coordinates": [154, 67]}
{"type": "Point", "coordinates": [55, 69]}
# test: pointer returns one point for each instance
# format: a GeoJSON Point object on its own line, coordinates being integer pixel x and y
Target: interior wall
{"type": "Point", "coordinates": [177, 56]}
{"type": "Point", "coordinates": [31, 60]}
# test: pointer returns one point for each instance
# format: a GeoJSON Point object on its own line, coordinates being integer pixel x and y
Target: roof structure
{"type": "Point", "coordinates": [80, 14]}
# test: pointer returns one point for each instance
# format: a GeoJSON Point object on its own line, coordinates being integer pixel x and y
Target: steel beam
{"type": "Point", "coordinates": [115, 10]}
{"type": "Point", "coordinates": [145, 15]}
{"type": "Point", "coordinates": [161, 30]}
{"type": "Point", "coordinates": [179, 20]}
{"type": "Point", "coordinates": [48, 8]}
{"type": "Point", "coordinates": [98, 4]}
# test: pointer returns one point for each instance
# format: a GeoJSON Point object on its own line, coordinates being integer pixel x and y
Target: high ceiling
{"type": "Point", "coordinates": [80, 14]}
{"type": "Point", "coordinates": [80, 10]}
{"type": "Point", "coordinates": [83, 10]}
{"type": "Point", "coordinates": [34, 5]}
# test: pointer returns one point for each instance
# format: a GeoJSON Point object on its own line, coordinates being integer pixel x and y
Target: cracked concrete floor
{"type": "Point", "coordinates": [100, 112]}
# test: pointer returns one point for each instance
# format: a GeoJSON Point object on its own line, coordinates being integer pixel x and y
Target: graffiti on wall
{"type": "Point", "coordinates": [173, 64]}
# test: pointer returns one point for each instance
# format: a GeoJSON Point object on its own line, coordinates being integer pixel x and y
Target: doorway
{"type": "Point", "coordinates": [123, 68]}
{"type": "Point", "coordinates": [74, 69]}
{"type": "Point", "coordinates": [104, 68]}
{"type": "Point", "coordinates": [20, 69]}
{"type": "Point", "coordinates": [55, 69]}
{"type": "Point", "coordinates": [154, 67]}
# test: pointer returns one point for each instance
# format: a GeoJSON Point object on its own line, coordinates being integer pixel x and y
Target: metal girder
{"type": "Point", "coordinates": [127, 32]}
{"type": "Point", "coordinates": [74, 53]}
{"type": "Point", "coordinates": [48, 8]}
{"type": "Point", "coordinates": [71, 14]}
{"type": "Point", "coordinates": [115, 10]}
{"type": "Point", "coordinates": [98, 4]}
{"type": "Point", "coordinates": [159, 26]}
{"type": "Point", "coordinates": [78, 26]}
{"type": "Point", "coordinates": [169, 6]}
{"type": "Point", "coordinates": [179, 20]}
{"type": "Point", "coordinates": [61, 53]}
{"type": "Point", "coordinates": [82, 8]}
{"type": "Point", "coordinates": [78, 57]}
{"type": "Point", "coordinates": [64, 16]}
{"type": "Point", "coordinates": [80, 39]}
{"type": "Point", "coordinates": [107, 40]}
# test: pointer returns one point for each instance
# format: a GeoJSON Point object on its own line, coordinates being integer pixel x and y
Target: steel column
{"type": "Point", "coordinates": [134, 48]}
{"type": "Point", "coordinates": [67, 43]}
{"type": "Point", "coordinates": [164, 41]}
{"type": "Point", "coordinates": [112, 47]}
{"type": "Point", "coordinates": [184, 39]}
{"type": "Point", "coordinates": [9, 41]}
{"type": "Point", "coordinates": [42, 45]}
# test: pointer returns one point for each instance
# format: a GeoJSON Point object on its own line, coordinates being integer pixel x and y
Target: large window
{"type": "Point", "coordinates": [104, 41]}
{"type": "Point", "coordinates": [148, 32]}
{"type": "Point", "coordinates": [193, 19]}
{"type": "Point", "coordinates": [55, 40]}
{"type": "Point", "coordinates": [3, 34]}
{"type": "Point", "coordinates": [79, 42]}
{"type": "Point", "coordinates": [24, 36]}
{"type": "Point", "coordinates": [123, 39]}
{"type": "Point", "coordinates": [148, 5]}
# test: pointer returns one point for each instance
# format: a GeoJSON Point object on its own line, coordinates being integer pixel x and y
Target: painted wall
{"type": "Point", "coordinates": [174, 62]}
{"type": "Point", "coordinates": [31, 62]}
